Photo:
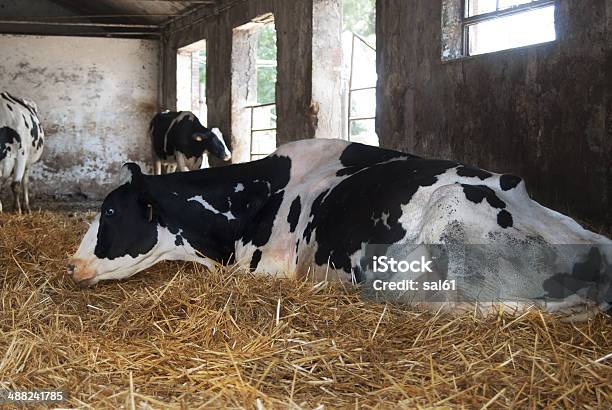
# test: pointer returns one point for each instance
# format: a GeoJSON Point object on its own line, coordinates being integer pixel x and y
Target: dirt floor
{"type": "Point", "coordinates": [179, 336]}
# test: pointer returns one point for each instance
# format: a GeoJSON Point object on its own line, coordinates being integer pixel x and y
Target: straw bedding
{"type": "Point", "coordinates": [178, 336]}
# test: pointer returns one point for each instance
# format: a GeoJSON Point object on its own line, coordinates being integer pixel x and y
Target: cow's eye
{"type": "Point", "coordinates": [109, 212]}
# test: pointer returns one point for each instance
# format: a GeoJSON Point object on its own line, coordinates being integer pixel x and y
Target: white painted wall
{"type": "Point", "coordinates": [95, 96]}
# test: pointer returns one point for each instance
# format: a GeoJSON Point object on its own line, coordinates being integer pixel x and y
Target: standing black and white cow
{"type": "Point", "coordinates": [21, 144]}
{"type": "Point", "coordinates": [315, 207]}
{"type": "Point", "coordinates": [180, 141]}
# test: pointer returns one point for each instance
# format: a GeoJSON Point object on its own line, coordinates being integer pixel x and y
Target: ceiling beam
{"type": "Point", "coordinates": [69, 23]}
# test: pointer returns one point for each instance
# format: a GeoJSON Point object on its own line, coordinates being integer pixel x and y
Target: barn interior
{"type": "Point", "coordinates": [412, 75]}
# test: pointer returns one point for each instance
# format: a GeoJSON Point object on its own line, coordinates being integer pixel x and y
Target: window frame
{"type": "Point", "coordinates": [468, 21]}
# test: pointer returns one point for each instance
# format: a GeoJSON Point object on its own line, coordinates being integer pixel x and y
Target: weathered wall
{"type": "Point", "coordinates": [293, 20]}
{"type": "Point", "coordinates": [543, 112]}
{"type": "Point", "coordinates": [327, 84]}
{"type": "Point", "coordinates": [95, 96]}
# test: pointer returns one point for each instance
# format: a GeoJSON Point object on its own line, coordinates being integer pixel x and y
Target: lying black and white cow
{"type": "Point", "coordinates": [21, 144]}
{"type": "Point", "coordinates": [180, 141]}
{"type": "Point", "coordinates": [313, 207]}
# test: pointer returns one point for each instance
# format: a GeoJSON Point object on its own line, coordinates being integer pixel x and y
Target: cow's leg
{"type": "Point", "coordinates": [16, 188]}
{"type": "Point", "coordinates": [181, 161]}
{"type": "Point", "coordinates": [158, 167]}
{"type": "Point", "coordinates": [0, 207]}
{"type": "Point", "coordinates": [20, 170]}
{"type": "Point", "coordinates": [26, 193]}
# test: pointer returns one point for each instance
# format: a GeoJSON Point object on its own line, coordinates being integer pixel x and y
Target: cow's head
{"type": "Point", "coordinates": [126, 237]}
{"type": "Point", "coordinates": [211, 140]}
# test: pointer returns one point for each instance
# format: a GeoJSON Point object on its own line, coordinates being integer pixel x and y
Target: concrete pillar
{"type": "Point", "coordinates": [327, 67]}
{"type": "Point", "coordinates": [195, 84]}
{"type": "Point", "coordinates": [244, 89]}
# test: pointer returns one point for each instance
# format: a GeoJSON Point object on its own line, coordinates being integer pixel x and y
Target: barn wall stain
{"type": "Point", "coordinates": [95, 97]}
{"type": "Point", "coordinates": [543, 112]}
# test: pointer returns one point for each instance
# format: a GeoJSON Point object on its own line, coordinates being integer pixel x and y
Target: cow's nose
{"type": "Point", "coordinates": [80, 272]}
{"type": "Point", "coordinates": [71, 268]}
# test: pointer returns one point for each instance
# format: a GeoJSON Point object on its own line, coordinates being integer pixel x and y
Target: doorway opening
{"type": "Point", "coordinates": [191, 80]}
{"type": "Point", "coordinates": [254, 73]}
{"type": "Point", "coordinates": [359, 70]}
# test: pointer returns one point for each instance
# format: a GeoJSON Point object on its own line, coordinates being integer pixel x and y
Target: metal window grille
{"type": "Point", "coordinates": [253, 154]}
{"type": "Point", "coordinates": [351, 120]}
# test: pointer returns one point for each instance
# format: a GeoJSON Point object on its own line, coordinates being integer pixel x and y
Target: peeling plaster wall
{"type": "Point", "coordinates": [95, 97]}
{"type": "Point", "coordinates": [543, 112]}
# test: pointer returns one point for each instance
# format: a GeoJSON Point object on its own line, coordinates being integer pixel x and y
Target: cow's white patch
{"type": "Point", "coordinates": [239, 188]}
{"type": "Point", "coordinates": [227, 155]}
{"type": "Point", "coordinates": [211, 208]}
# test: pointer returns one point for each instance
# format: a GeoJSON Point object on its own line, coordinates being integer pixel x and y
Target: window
{"type": "Point", "coordinates": [493, 25]}
{"type": "Point", "coordinates": [254, 71]}
{"type": "Point", "coordinates": [359, 54]}
{"type": "Point", "coordinates": [263, 114]}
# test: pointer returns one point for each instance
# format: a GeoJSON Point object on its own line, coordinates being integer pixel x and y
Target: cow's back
{"type": "Point", "coordinates": [21, 134]}
{"type": "Point", "coordinates": [158, 131]}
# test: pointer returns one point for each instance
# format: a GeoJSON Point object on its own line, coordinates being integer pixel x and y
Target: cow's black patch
{"type": "Point", "coordinates": [476, 193]}
{"type": "Point", "coordinates": [8, 136]}
{"type": "Point", "coordinates": [19, 101]}
{"type": "Point", "coordinates": [297, 248]}
{"type": "Point", "coordinates": [9, 107]}
{"type": "Point", "coordinates": [590, 278]}
{"type": "Point", "coordinates": [473, 172]}
{"type": "Point", "coordinates": [255, 259]}
{"type": "Point", "coordinates": [179, 240]}
{"type": "Point", "coordinates": [342, 217]}
{"type": "Point", "coordinates": [294, 213]}
{"type": "Point", "coordinates": [359, 156]}
{"type": "Point", "coordinates": [315, 212]}
{"type": "Point", "coordinates": [34, 131]}
{"type": "Point", "coordinates": [504, 219]}
{"type": "Point", "coordinates": [260, 228]}
{"type": "Point", "coordinates": [508, 182]}
{"type": "Point", "coordinates": [124, 225]}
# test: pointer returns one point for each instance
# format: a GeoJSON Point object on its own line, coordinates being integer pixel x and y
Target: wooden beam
{"type": "Point", "coordinates": [57, 23]}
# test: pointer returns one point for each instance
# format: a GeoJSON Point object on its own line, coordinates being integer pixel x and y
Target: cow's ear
{"type": "Point", "coordinates": [149, 205]}
{"type": "Point", "coordinates": [130, 174]}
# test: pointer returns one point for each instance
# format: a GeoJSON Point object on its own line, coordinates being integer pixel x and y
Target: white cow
{"type": "Point", "coordinates": [21, 144]}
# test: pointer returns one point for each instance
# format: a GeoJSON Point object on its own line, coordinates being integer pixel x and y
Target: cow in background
{"type": "Point", "coordinates": [181, 141]}
{"type": "Point", "coordinates": [21, 144]}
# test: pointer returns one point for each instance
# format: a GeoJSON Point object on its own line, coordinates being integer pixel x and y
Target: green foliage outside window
{"type": "Point", "coordinates": [360, 17]}
{"type": "Point", "coordinates": [266, 73]}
